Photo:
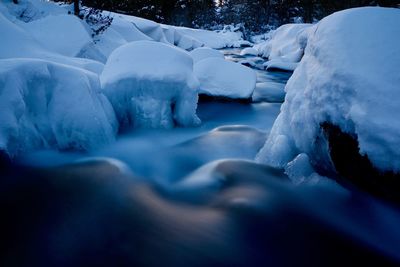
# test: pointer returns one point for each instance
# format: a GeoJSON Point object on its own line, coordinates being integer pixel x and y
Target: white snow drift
{"type": "Point", "coordinates": [349, 76]}
{"type": "Point", "coordinates": [152, 85]}
{"type": "Point", "coordinates": [44, 104]}
{"type": "Point", "coordinates": [219, 77]}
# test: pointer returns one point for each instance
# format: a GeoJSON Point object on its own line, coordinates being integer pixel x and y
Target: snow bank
{"type": "Point", "coordinates": [349, 77]}
{"type": "Point", "coordinates": [152, 85]}
{"type": "Point", "coordinates": [30, 10]}
{"type": "Point", "coordinates": [120, 32]}
{"type": "Point", "coordinates": [219, 77]}
{"type": "Point", "coordinates": [212, 39]}
{"type": "Point", "coordinates": [62, 34]}
{"type": "Point", "coordinates": [45, 104]}
{"type": "Point", "coordinates": [18, 43]}
{"type": "Point", "coordinates": [205, 52]}
{"type": "Point", "coordinates": [286, 46]}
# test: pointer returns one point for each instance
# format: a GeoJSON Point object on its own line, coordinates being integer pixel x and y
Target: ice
{"type": "Point", "coordinates": [269, 92]}
{"type": "Point", "coordinates": [205, 52]}
{"type": "Point", "coordinates": [45, 104]}
{"type": "Point", "coordinates": [219, 77]}
{"type": "Point", "coordinates": [151, 84]}
{"type": "Point", "coordinates": [349, 77]}
{"type": "Point", "coordinates": [280, 65]}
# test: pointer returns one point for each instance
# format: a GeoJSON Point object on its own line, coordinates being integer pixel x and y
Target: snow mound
{"type": "Point", "coordinates": [286, 46]}
{"type": "Point", "coordinates": [63, 34]}
{"type": "Point", "coordinates": [219, 77]}
{"type": "Point", "coordinates": [205, 52]}
{"type": "Point", "coordinates": [151, 85]}
{"type": "Point", "coordinates": [45, 104]}
{"type": "Point", "coordinates": [18, 43]}
{"type": "Point", "coordinates": [30, 10]}
{"type": "Point", "coordinates": [349, 77]}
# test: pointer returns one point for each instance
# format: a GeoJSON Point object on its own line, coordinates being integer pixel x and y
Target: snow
{"type": "Point", "coordinates": [19, 43]}
{"type": "Point", "coordinates": [44, 104]}
{"type": "Point", "coordinates": [51, 32]}
{"type": "Point", "coordinates": [205, 52]}
{"type": "Point", "coordinates": [285, 46]}
{"type": "Point", "coordinates": [280, 65]}
{"type": "Point", "coordinates": [249, 51]}
{"type": "Point", "coordinates": [349, 76]}
{"type": "Point", "coordinates": [120, 32]}
{"type": "Point", "coordinates": [219, 77]}
{"type": "Point", "coordinates": [269, 92]}
{"type": "Point", "coordinates": [216, 40]}
{"type": "Point", "coordinates": [151, 85]}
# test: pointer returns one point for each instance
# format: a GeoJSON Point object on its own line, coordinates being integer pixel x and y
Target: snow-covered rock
{"type": "Point", "coordinates": [222, 78]}
{"type": "Point", "coordinates": [120, 32]}
{"type": "Point", "coordinates": [205, 52]}
{"type": "Point", "coordinates": [285, 46]}
{"type": "Point", "coordinates": [348, 77]}
{"type": "Point", "coordinates": [45, 104]}
{"type": "Point", "coordinates": [151, 84]}
{"type": "Point", "coordinates": [62, 34]}
{"type": "Point", "coordinates": [19, 43]}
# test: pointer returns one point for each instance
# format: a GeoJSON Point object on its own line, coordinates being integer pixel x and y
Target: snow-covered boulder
{"type": "Point", "coordinates": [285, 46]}
{"type": "Point", "coordinates": [17, 42]}
{"type": "Point", "coordinates": [44, 104]}
{"type": "Point", "coordinates": [222, 78]}
{"type": "Point", "coordinates": [151, 84]}
{"type": "Point", "coordinates": [62, 34]}
{"type": "Point", "coordinates": [205, 52]}
{"type": "Point", "coordinates": [349, 77]}
{"type": "Point", "coordinates": [120, 32]}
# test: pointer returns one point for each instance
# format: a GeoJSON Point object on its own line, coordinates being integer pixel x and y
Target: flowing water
{"type": "Point", "coordinates": [230, 213]}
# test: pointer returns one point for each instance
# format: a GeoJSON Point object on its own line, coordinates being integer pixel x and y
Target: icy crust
{"type": "Point", "coordinates": [222, 78]}
{"type": "Point", "coordinates": [45, 104]}
{"type": "Point", "coordinates": [285, 47]}
{"type": "Point", "coordinates": [151, 85]}
{"type": "Point", "coordinates": [349, 77]}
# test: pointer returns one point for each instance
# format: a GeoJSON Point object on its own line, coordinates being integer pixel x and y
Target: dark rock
{"type": "Point", "coordinates": [358, 169]}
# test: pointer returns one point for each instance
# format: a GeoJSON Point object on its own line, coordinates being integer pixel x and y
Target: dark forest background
{"type": "Point", "coordinates": [255, 16]}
